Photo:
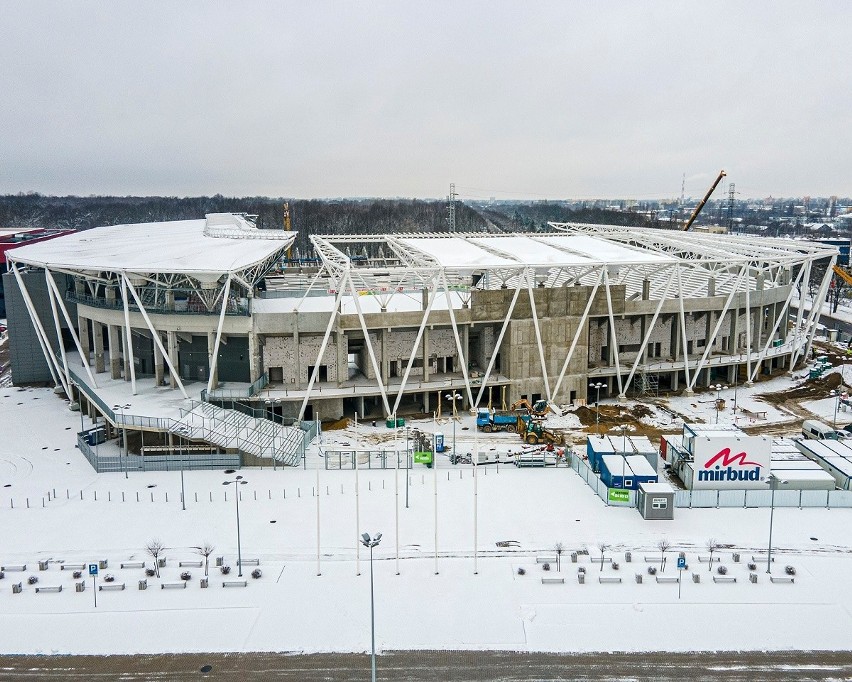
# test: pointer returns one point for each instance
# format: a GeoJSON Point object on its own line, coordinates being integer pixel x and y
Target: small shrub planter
{"type": "Point", "coordinates": [522, 570]}
{"type": "Point", "coordinates": [545, 567]}
{"type": "Point", "coordinates": [186, 575]}
{"type": "Point", "coordinates": [77, 575]}
{"type": "Point", "coordinates": [150, 572]}
{"type": "Point", "coordinates": [256, 573]}
{"type": "Point", "coordinates": [32, 580]}
{"type": "Point", "coordinates": [109, 578]}
{"type": "Point", "coordinates": [225, 569]}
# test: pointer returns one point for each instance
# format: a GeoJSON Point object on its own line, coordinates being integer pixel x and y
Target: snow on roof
{"type": "Point", "coordinates": [640, 465]}
{"type": "Point", "coordinates": [182, 246]}
{"type": "Point", "coordinates": [656, 488]}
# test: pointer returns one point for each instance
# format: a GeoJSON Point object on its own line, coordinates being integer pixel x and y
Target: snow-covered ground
{"type": "Point", "coordinates": [292, 608]}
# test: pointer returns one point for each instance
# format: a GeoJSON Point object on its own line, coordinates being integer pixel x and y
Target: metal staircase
{"type": "Point", "coordinates": [235, 430]}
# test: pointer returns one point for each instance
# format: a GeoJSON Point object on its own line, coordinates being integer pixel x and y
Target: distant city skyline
{"type": "Point", "coordinates": [539, 100]}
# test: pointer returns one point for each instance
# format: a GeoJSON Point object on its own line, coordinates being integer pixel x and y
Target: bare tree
{"type": "Point", "coordinates": [205, 550]}
{"type": "Point", "coordinates": [155, 549]}
{"type": "Point", "coordinates": [712, 546]}
{"type": "Point", "coordinates": [603, 547]}
{"type": "Point", "coordinates": [663, 545]}
{"type": "Point", "coordinates": [559, 547]}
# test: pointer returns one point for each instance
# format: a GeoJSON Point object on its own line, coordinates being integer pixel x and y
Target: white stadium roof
{"type": "Point", "coordinates": [219, 244]}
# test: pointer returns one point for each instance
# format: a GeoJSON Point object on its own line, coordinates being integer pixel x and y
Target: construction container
{"type": "Point", "coordinates": [596, 447]}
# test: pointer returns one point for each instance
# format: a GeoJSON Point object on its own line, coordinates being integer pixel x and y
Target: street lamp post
{"type": "Point", "coordinates": [238, 481]}
{"type": "Point", "coordinates": [597, 386]}
{"type": "Point", "coordinates": [454, 397]}
{"type": "Point", "coordinates": [370, 543]}
{"type": "Point", "coordinates": [718, 388]}
{"type": "Point", "coordinates": [407, 466]}
{"type": "Point", "coordinates": [773, 484]}
{"type": "Point", "coordinates": [836, 395]}
{"type": "Point", "coordinates": [120, 409]}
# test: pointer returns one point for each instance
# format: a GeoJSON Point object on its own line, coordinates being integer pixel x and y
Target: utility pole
{"type": "Point", "coordinates": [451, 208]}
{"type": "Point", "coordinates": [731, 192]}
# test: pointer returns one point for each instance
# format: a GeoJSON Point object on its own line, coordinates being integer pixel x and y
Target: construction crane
{"type": "Point", "coordinates": [842, 274]}
{"type": "Point", "coordinates": [698, 208]}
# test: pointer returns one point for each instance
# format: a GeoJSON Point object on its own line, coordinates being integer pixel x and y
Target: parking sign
{"type": "Point", "coordinates": [93, 569]}
{"type": "Point", "coordinates": [681, 562]}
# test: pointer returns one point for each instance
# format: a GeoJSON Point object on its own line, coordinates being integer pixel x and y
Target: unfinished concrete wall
{"type": "Point", "coordinates": [282, 351]}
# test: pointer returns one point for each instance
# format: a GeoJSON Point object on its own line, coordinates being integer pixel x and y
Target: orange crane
{"type": "Point", "coordinates": [698, 208]}
{"type": "Point", "coordinates": [842, 274]}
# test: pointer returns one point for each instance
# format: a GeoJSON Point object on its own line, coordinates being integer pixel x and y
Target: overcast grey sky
{"type": "Point", "coordinates": [506, 99]}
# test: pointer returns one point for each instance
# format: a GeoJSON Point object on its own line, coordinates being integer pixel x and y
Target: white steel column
{"type": "Point", "coordinates": [331, 320]}
{"type": "Point", "coordinates": [799, 314]}
{"type": "Point", "coordinates": [577, 334]}
{"type": "Point", "coordinates": [432, 295]}
{"type": "Point", "coordinates": [778, 319]}
{"type": "Point", "coordinates": [58, 333]}
{"type": "Point", "coordinates": [52, 363]}
{"type": "Point", "coordinates": [497, 346]}
{"type": "Point", "coordinates": [129, 340]}
{"type": "Point", "coordinates": [650, 329]}
{"type": "Point", "coordinates": [214, 361]}
{"type": "Point", "coordinates": [462, 356]}
{"type": "Point", "coordinates": [528, 275]}
{"type": "Point", "coordinates": [748, 321]}
{"type": "Point", "coordinates": [683, 330]}
{"type": "Point", "coordinates": [816, 308]}
{"type": "Point", "coordinates": [709, 342]}
{"type": "Point", "coordinates": [613, 342]}
{"type": "Point", "coordinates": [55, 292]}
{"type": "Point", "coordinates": [370, 351]}
{"type": "Point", "coordinates": [166, 356]}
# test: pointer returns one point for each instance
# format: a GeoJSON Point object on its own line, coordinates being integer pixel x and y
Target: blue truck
{"type": "Point", "coordinates": [498, 420]}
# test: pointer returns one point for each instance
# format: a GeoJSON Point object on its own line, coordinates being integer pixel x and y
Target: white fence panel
{"type": "Point", "coordinates": [839, 498]}
{"type": "Point", "coordinates": [732, 498]}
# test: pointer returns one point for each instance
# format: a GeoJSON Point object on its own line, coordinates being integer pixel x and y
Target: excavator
{"type": "Point", "coordinates": [538, 409]}
{"type": "Point", "coordinates": [534, 433]}
{"type": "Point", "coordinates": [701, 203]}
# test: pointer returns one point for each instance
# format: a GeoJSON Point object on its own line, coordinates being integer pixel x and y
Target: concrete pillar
{"type": "Point", "coordinates": [173, 356]}
{"type": "Point", "coordinates": [424, 299]}
{"type": "Point", "coordinates": [297, 359]}
{"type": "Point", "coordinates": [83, 327]}
{"type": "Point", "coordinates": [426, 335]}
{"type": "Point", "coordinates": [254, 357]}
{"type": "Point", "coordinates": [360, 403]}
{"type": "Point", "coordinates": [733, 345]}
{"type": "Point", "coordinates": [465, 344]}
{"type": "Point", "coordinates": [159, 366]}
{"type": "Point", "coordinates": [211, 369]}
{"type": "Point", "coordinates": [646, 289]}
{"type": "Point", "coordinates": [426, 401]}
{"type": "Point", "coordinates": [342, 357]}
{"type": "Point", "coordinates": [98, 334]}
{"type": "Point", "coordinates": [384, 349]}
{"type": "Point", "coordinates": [125, 353]}
{"type": "Point", "coordinates": [170, 299]}
{"type": "Point", "coordinates": [711, 287]}
{"type": "Point", "coordinates": [675, 379]}
{"type": "Point", "coordinates": [114, 351]}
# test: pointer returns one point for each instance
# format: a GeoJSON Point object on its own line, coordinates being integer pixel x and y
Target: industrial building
{"type": "Point", "coordinates": [191, 325]}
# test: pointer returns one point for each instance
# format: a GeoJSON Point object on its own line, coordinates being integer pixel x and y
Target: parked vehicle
{"type": "Point", "coordinates": [497, 420]}
{"type": "Point", "coordinates": [811, 428]}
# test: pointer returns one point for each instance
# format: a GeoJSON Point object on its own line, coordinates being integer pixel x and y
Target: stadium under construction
{"type": "Point", "coordinates": [203, 333]}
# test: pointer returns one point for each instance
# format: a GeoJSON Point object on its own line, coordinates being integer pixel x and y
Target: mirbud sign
{"type": "Point", "coordinates": [731, 462]}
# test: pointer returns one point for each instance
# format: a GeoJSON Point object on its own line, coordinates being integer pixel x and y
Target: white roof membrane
{"type": "Point", "coordinates": [173, 247]}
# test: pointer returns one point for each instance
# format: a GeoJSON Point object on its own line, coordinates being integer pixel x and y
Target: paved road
{"type": "Point", "coordinates": [455, 666]}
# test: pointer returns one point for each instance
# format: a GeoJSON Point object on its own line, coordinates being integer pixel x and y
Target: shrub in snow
{"type": "Point", "coordinates": [522, 570]}
{"type": "Point", "coordinates": [752, 567]}
{"type": "Point", "coordinates": [186, 575]}
{"type": "Point", "coordinates": [77, 575]}
{"type": "Point", "coordinates": [2, 575]}
{"type": "Point", "coordinates": [225, 569]}
{"type": "Point", "coordinates": [789, 570]}
{"type": "Point", "coordinates": [256, 573]}
{"type": "Point", "coordinates": [652, 570]}
{"type": "Point", "coordinates": [614, 565]}
{"type": "Point", "coordinates": [109, 578]}
{"type": "Point", "coordinates": [722, 570]}
{"type": "Point", "coordinates": [545, 567]}
{"type": "Point", "coordinates": [32, 580]}
{"type": "Point", "coordinates": [581, 569]}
